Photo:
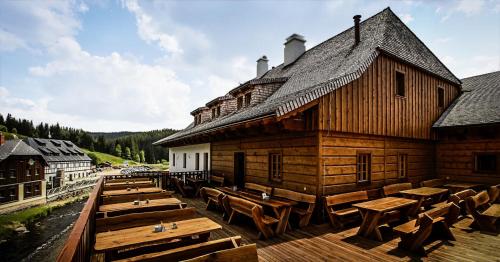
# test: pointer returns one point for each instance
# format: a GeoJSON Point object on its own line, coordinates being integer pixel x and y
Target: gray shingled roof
{"type": "Point", "coordinates": [330, 65]}
{"type": "Point", "coordinates": [54, 150]}
{"type": "Point", "coordinates": [478, 105]}
{"type": "Point", "coordinates": [16, 147]}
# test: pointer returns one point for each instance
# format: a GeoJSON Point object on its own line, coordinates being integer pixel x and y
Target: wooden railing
{"type": "Point", "coordinates": [80, 242]}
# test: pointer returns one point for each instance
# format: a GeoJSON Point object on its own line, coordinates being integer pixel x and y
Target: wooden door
{"type": "Point", "coordinates": [239, 169]}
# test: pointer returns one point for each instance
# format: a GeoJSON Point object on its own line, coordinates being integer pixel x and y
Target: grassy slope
{"type": "Point", "coordinates": [116, 161]}
{"type": "Point", "coordinates": [103, 157]}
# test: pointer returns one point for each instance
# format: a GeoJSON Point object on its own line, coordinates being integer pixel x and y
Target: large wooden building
{"type": "Point", "coordinates": [22, 176]}
{"type": "Point", "coordinates": [358, 111]}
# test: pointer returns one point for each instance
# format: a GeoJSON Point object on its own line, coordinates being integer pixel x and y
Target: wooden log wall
{"type": "Point", "coordinates": [369, 105]}
{"type": "Point", "coordinates": [455, 159]}
{"type": "Point", "coordinates": [299, 153]}
{"type": "Point", "coordinates": [338, 160]}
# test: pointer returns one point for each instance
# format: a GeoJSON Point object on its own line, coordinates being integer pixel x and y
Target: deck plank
{"type": "Point", "coordinates": [322, 242]}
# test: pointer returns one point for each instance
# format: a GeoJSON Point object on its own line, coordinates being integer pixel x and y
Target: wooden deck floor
{"type": "Point", "coordinates": [323, 243]}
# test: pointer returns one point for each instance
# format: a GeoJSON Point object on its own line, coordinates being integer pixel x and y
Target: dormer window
{"type": "Point", "coordinates": [248, 99]}
{"type": "Point", "coordinates": [239, 103]}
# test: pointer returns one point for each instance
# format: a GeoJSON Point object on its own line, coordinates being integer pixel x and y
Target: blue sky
{"type": "Point", "coordinates": [141, 65]}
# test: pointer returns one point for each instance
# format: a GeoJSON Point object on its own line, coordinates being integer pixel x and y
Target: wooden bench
{"type": "Point", "coordinates": [258, 188]}
{"type": "Point", "coordinates": [459, 199]}
{"type": "Point", "coordinates": [485, 214]}
{"type": "Point", "coordinates": [217, 180]}
{"type": "Point", "coordinates": [438, 182]}
{"type": "Point", "coordinates": [227, 249]}
{"type": "Point", "coordinates": [125, 186]}
{"type": "Point", "coordinates": [494, 193]}
{"type": "Point", "coordinates": [143, 219]}
{"type": "Point", "coordinates": [241, 206]}
{"type": "Point", "coordinates": [415, 232]}
{"type": "Point", "coordinates": [305, 206]}
{"type": "Point", "coordinates": [212, 196]}
{"type": "Point", "coordinates": [129, 198]}
{"type": "Point", "coordinates": [394, 189]}
{"type": "Point", "coordinates": [337, 211]}
{"type": "Point", "coordinates": [185, 190]}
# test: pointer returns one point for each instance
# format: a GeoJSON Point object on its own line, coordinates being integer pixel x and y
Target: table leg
{"type": "Point", "coordinates": [370, 225]}
{"type": "Point", "coordinates": [283, 219]}
{"type": "Point", "coordinates": [417, 206]}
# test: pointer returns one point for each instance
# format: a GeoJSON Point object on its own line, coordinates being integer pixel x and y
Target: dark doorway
{"type": "Point", "coordinates": [239, 169]}
{"type": "Point", "coordinates": [205, 161]}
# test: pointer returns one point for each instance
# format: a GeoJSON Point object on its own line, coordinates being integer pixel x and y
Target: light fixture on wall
{"type": "Point", "coordinates": [31, 162]}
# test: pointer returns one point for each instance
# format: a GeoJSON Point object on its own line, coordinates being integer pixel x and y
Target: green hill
{"type": "Point", "coordinates": [114, 160]}
{"type": "Point", "coordinates": [117, 161]}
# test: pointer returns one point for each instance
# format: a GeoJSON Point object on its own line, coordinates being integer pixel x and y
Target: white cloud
{"type": "Point", "coordinates": [37, 23]}
{"type": "Point", "coordinates": [470, 7]}
{"type": "Point", "coordinates": [406, 18]}
{"type": "Point", "coordinates": [467, 7]}
{"type": "Point", "coordinates": [471, 66]}
{"type": "Point", "coordinates": [149, 31]}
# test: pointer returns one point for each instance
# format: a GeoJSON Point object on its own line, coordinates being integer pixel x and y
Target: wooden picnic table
{"type": "Point", "coordinates": [145, 235]}
{"type": "Point", "coordinates": [132, 208]}
{"type": "Point", "coordinates": [197, 183]}
{"type": "Point", "coordinates": [281, 208]}
{"type": "Point", "coordinates": [423, 193]}
{"type": "Point", "coordinates": [132, 191]}
{"type": "Point", "coordinates": [455, 187]}
{"type": "Point", "coordinates": [373, 211]}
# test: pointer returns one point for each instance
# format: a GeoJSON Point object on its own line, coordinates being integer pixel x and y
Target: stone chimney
{"type": "Point", "coordinates": [2, 139]}
{"type": "Point", "coordinates": [294, 47]}
{"type": "Point", "coordinates": [262, 66]}
{"type": "Point", "coordinates": [357, 37]}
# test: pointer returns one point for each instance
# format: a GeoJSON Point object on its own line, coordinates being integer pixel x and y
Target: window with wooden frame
{"type": "Point", "coordinates": [197, 161]}
{"type": "Point", "coordinates": [184, 160]}
{"type": "Point", "coordinates": [400, 83]}
{"type": "Point", "coordinates": [173, 159]}
{"type": "Point", "coordinates": [311, 119]}
{"type": "Point", "coordinates": [213, 113]}
{"type": "Point", "coordinates": [402, 166]}
{"type": "Point", "coordinates": [364, 167]}
{"type": "Point", "coordinates": [248, 99]}
{"type": "Point", "coordinates": [275, 166]}
{"type": "Point", "coordinates": [218, 111]}
{"type": "Point", "coordinates": [239, 103]}
{"type": "Point", "coordinates": [2, 174]}
{"type": "Point", "coordinates": [485, 162]}
{"type": "Point", "coordinates": [440, 97]}
{"type": "Point", "coordinates": [12, 173]}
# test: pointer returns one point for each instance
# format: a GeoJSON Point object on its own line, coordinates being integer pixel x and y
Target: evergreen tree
{"type": "Point", "coordinates": [137, 158]}
{"type": "Point", "coordinates": [2, 121]}
{"type": "Point", "coordinates": [118, 150]}
{"type": "Point", "coordinates": [128, 153]}
{"type": "Point", "coordinates": [142, 157]}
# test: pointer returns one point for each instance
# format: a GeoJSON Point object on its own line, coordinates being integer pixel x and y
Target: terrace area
{"type": "Point", "coordinates": [314, 242]}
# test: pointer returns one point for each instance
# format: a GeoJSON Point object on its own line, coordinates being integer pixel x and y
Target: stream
{"type": "Point", "coordinates": [45, 238]}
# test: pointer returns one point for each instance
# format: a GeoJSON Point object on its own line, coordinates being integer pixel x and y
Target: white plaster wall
{"type": "Point", "coordinates": [190, 151]}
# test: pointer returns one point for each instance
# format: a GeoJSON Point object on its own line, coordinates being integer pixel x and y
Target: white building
{"type": "Point", "coordinates": [65, 160]}
{"type": "Point", "coordinates": [189, 158]}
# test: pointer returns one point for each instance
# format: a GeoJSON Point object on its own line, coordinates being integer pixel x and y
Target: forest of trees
{"type": "Point", "coordinates": [135, 146]}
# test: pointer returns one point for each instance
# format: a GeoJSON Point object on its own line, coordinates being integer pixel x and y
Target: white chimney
{"type": "Point", "coordinates": [262, 66]}
{"type": "Point", "coordinates": [294, 47]}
